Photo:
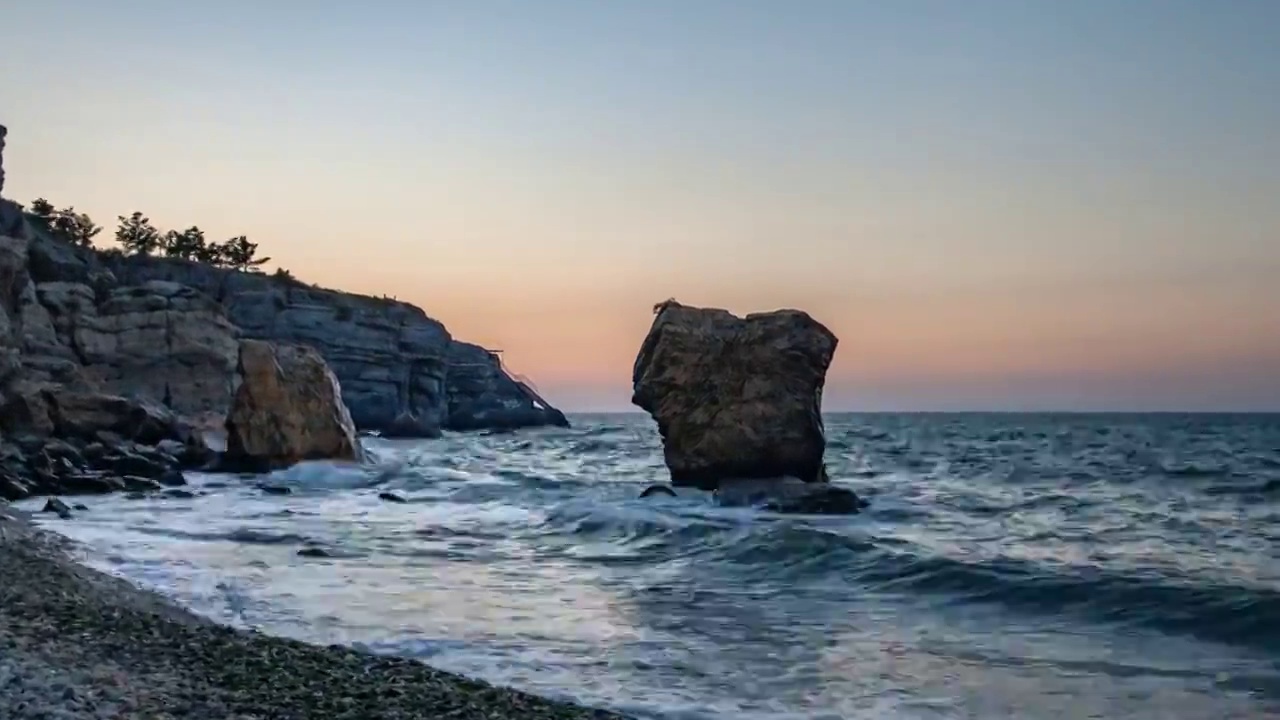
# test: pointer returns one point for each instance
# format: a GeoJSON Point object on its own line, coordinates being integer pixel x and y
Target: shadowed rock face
{"type": "Point", "coordinates": [288, 408]}
{"type": "Point", "coordinates": [402, 372]}
{"type": "Point", "coordinates": [735, 398]}
{"type": "Point", "coordinates": [3, 132]}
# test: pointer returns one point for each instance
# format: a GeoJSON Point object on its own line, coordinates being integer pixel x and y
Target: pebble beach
{"type": "Point", "coordinates": [76, 643]}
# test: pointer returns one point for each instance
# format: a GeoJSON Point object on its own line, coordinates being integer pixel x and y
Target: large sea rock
{"type": "Point", "coordinates": [288, 408]}
{"type": "Point", "coordinates": [735, 398]}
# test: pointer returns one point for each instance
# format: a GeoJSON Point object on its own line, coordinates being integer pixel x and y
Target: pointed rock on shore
{"type": "Point", "coordinates": [288, 408]}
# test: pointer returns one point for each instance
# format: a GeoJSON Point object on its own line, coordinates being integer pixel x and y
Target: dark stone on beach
{"type": "Point", "coordinates": [172, 478]}
{"type": "Point", "coordinates": [658, 490]}
{"type": "Point", "coordinates": [139, 484]}
{"type": "Point", "coordinates": [275, 489]}
{"type": "Point", "coordinates": [51, 410]}
{"type": "Point", "coordinates": [391, 497]}
{"type": "Point", "coordinates": [88, 483]}
{"type": "Point", "coordinates": [314, 552]}
{"type": "Point", "coordinates": [57, 506]}
{"type": "Point", "coordinates": [124, 462]}
{"type": "Point", "coordinates": [11, 488]}
{"type": "Point", "coordinates": [55, 450]}
{"type": "Point", "coordinates": [735, 397]}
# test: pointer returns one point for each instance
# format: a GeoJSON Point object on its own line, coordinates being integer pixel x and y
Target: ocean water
{"type": "Point", "coordinates": [1010, 566]}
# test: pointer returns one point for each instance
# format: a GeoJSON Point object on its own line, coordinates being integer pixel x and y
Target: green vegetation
{"type": "Point", "coordinates": [137, 236]}
{"type": "Point", "coordinates": [67, 224]}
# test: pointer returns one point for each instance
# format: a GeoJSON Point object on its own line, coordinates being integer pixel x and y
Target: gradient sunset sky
{"type": "Point", "coordinates": [995, 205]}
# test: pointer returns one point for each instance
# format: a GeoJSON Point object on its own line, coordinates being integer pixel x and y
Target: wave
{"type": "Point", "coordinates": [758, 549]}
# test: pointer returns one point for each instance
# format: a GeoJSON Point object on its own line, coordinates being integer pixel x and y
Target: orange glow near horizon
{"type": "Point", "coordinates": [1049, 221]}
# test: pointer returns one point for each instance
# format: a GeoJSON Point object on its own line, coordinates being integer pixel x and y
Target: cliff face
{"type": "Point", "coordinates": [66, 322]}
{"type": "Point", "coordinates": [167, 330]}
{"type": "Point", "coordinates": [401, 371]}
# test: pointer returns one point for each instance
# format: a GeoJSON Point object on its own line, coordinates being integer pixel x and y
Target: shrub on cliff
{"type": "Point", "coordinates": [66, 224]}
{"type": "Point", "coordinates": [239, 253]}
{"type": "Point", "coordinates": [188, 245]}
{"type": "Point", "coordinates": [137, 236]}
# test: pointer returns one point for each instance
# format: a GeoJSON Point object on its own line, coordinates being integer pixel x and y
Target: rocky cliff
{"type": "Point", "coordinates": [401, 371]}
{"type": "Point", "coordinates": [167, 330]}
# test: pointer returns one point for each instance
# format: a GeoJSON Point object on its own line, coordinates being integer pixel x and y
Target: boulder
{"type": "Point", "coordinates": [287, 409]}
{"type": "Point", "coordinates": [735, 398]}
{"type": "Point", "coordinates": [41, 409]}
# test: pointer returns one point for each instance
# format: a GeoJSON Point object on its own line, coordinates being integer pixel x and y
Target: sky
{"type": "Point", "coordinates": [995, 205]}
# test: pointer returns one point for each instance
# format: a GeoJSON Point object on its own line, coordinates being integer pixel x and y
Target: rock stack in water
{"type": "Point", "coordinates": [738, 405]}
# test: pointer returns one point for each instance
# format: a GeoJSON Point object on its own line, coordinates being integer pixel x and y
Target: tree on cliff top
{"type": "Point", "coordinates": [137, 236]}
{"type": "Point", "coordinates": [188, 244]}
{"type": "Point", "coordinates": [239, 253]}
{"type": "Point", "coordinates": [66, 224]}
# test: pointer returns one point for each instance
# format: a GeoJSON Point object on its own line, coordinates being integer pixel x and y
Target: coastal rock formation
{"type": "Point", "coordinates": [157, 340]}
{"type": "Point", "coordinates": [63, 441]}
{"type": "Point", "coordinates": [402, 373]}
{"type": "Point", "coordinates": [288, 408]}
{"type": "Point", "coordinates": [10, 213]}
{"type": "Point", "coordinates": [56, 410]}
{"type": "Point", "coordinates": [482, 395]}
{"type": "Point", "coordinates": [167, 331]}
{"type": "Point", "coordinates": [70, 323]}
{"type": "Point", "coordinates": [735, 398]}
{"type": "Point", "coordinates": [64, 428]}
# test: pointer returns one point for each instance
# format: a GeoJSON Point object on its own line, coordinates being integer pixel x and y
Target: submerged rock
{"type": "Point", "coordinates": [789, 495]}
{"type": "Point", "coordinates": [658, 490]}
{"type": "Point", "coordinates": [58, 507]}
{"type": "Point", "coordinates": [408, 425]}
{"type": "Point", "coordinates": [735, 398]}
{"type": "Point", "coordinates": [287, 409]}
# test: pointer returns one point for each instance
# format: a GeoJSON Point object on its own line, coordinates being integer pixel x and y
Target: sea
{"type": "Point", "coordinates": [1009, 566]}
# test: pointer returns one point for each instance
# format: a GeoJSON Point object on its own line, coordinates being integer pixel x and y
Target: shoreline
{"type": "Point", "coordinates": [79, 643]}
